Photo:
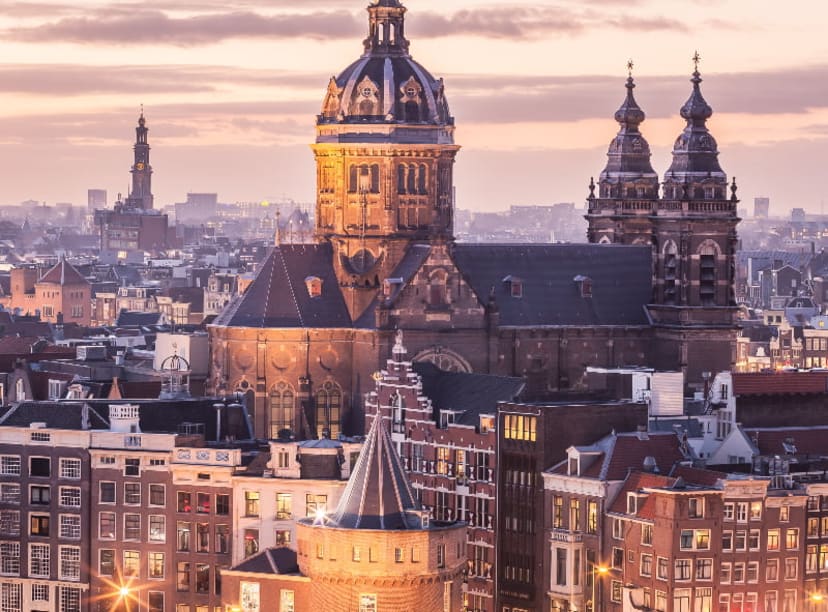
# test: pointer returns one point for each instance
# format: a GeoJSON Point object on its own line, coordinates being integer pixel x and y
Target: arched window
{"type": "Point", "coordinates": [437, 291]}
{"type": "Point", "coordinates": [375, 178]}
{"type": "Point", "coordinates": [401, 178]}
{"type": "Point", "coordinates": [329, 410]}
{"type": "Point", "coordinates": [282, 408]}
{"type": "Point", "coordinates": [412, 179]}
{"type": "Point", "coordinates": [670, 271]}
{"type": "Point", "coordinates": [353, 176]}
{"type": "Point", "coordinates": [421, 180]}
{"type": "Point", "coordinates": [19, 390]}
{"type": "Point", "coordinates": [707, 272]}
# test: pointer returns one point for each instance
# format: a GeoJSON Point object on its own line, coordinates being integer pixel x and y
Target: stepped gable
{"type": "Point", "coordinates": [279, 295]}
{"type": "Point", "coordinates": [621, 282]}
{"type": "Point", "coordinates": [378, 495]}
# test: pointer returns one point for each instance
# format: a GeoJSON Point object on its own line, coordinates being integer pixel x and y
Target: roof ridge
{"type": "Point", "coordinates": [290, 286]}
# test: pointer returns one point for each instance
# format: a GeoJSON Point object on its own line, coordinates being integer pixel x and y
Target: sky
{"type": "Point", "coordinates": [231, 89]}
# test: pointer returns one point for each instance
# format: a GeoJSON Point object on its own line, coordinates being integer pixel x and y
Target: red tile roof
{"type": "Point", "coordinates": [63, 274]}
{"type": "Point", "coordinates": [698, 476]}
{"type": "Point", "coordinates": [635, 482]}
{"type": "Point", "coordinates": [629, 451]}
{"type": "Point", "coordinates": [780, 383]}
{"type": "Point", "coordinates": [807, 441]}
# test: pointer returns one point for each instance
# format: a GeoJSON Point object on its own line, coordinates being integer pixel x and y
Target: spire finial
{"type": "Point", "coordinates": [142, 109]}
{"type": "Point", "coordinates": [696, 60]}
{"type": "Point", "coordinates": [630, 66]}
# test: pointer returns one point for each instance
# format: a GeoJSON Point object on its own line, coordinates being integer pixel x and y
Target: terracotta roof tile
{"type": "Point", "coordinates": [63, 274]}
{"type": "Point", "coordinates": [780, 383]}
{"type": "Point", "coordinates": [778, 441]}
{"type": "Point", "coordinates": [635, 482]}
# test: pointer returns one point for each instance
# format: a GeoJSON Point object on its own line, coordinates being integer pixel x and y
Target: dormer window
{"type": "Point", "coordinates": [514, 286]}
{"type": "Point", "coordinates": [632, 503]}
{"type": "Point", "coordinates": [584, 285]}
{"type": "Point", "coordinates": [574, 466]}
{"type": "Point", "coordinates": [314, 285]}
{"type": "Point", "coordinates": [390, 285]}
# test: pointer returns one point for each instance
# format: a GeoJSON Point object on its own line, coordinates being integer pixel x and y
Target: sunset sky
{"type": "Point", "coordinates": [231, 88]}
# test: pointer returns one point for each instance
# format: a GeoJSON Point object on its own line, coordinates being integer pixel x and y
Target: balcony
{"type": "Point", "coordinates": [565, 536]}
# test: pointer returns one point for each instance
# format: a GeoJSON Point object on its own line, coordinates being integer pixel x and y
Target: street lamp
{"type": "Point", "coordinates": [817, 598]}
{"type": "Point", "coordinates": [597, 570]}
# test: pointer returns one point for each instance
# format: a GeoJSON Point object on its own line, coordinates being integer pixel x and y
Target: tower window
{"type": "Point", "coordinates": [401, 181]}
{"type": "Point", "coordinates": [421, 180]}
{"type": "Point", "coordinates": [281, 409]}
{"type": "Point", "coordinates": [437, 291]}
{"type": "Point", "coordinates": [411, 187]}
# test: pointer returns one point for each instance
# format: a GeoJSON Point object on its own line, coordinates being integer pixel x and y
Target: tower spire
{"type": "Point", "coordinates": [695, 172]}
{"type": "Point", "coordinates": [628, 170]}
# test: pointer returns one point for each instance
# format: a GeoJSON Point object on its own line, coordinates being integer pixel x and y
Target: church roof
{"type": "Point", "coordinates": [378, 494]}
{"type": "Point", "coordinates": [63, 273]}
{"type": "Point", "coordinates": [279, 297]}
{"type": "Point", "coordinates": [621, 279]}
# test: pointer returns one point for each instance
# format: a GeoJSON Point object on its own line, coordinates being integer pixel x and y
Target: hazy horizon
{"type": "Point", "coordinates": [231, 90]}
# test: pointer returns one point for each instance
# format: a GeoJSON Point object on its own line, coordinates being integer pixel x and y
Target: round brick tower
{"type": "Point", "coordinates": [378, 552]}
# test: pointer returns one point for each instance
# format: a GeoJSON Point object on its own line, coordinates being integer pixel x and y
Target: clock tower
{"type": "Point", "coordinates": [141, 193]}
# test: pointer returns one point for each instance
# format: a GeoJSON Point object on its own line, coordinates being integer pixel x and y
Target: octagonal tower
{"type": "Point", "coordinates": [385, 154]}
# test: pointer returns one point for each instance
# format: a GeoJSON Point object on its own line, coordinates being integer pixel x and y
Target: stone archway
{"type": "Point", "coordinates": [444, 358]}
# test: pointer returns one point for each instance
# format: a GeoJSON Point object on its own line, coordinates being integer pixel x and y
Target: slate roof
{"type": "Point", "coordinates": [56, 415]}
{"type": "Point", "coordinates": [621, 282]}
{"type": "Point", "coordinates": [129, 318]}
{"type": "Point", "coordinates": [63, 273]}
{"type": "Point", "coordinates": [156, 416]}
{"type": "Point", "coordinates": [415, 256]}
{"type": "Point", "coordinates": [470, 394]}
{"type": "Point", "coordinates": [378, 494]}
{"type": "Point", "coordinates": [698, 476]}
{"type": "Point", "coordinates": [779, 383]}
{"type": "Point", "coordinates": [278, 296]}
{"type": "Point", "coordinates": [278, 561]}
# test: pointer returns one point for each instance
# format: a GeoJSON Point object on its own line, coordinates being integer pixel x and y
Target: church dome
{"type": "Point", "coordinates": [385, 85]}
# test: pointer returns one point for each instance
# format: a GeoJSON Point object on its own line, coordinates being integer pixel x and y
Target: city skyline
{"type": "Point", "coordinates": [231, 91]}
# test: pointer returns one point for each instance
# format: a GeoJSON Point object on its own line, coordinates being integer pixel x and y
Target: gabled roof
{"type": "Point", "coordinates": [278, 297]}
{"type": "Point", "coordinates": [63, 274]}
{"type": "Point", "coordinates": [378, 494]}
{"type": "Point", "coordinates": [621, 282]}
{"type": "Point", "coordinates": [469, 394]}
{"type": "Point", "coordinates": [277, 561]}
{"type": "Point", "coordinates": [415, 256]}
{"type": "Point", "coordinates": [620, 453]}
{"type": "Point", "coordinates": [635, 483]}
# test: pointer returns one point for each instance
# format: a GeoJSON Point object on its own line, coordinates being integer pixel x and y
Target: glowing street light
{"type": "Point", "coordinates": [817, 597]}
{"type": "Point", "coordinates": [597, 570]}
{"type": "Point", "coordinates": [124, 591]}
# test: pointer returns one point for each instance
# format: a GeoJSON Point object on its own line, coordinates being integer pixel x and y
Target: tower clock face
{"type": "Point", "coordinates": [139, 166]}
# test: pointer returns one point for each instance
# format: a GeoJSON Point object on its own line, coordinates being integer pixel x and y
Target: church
{"type": "Point", "coordinates": [654, 286]}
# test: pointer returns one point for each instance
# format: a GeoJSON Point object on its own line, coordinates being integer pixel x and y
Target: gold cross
{"type": "Point", "coordinates": [630, 66]}
{"type": "Point", "coordinates": [696, 60]}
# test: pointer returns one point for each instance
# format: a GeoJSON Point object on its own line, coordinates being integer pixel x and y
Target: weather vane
{"type": "Point", "coordinates": [630, 66]}
{"type": "Point", "coordinates": [696, 60]}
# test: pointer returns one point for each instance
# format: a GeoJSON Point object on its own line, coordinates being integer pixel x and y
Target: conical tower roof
{"type": "Point", "coordinates": [378, 495]}
{"type": "Point", "coordinates": [629, 152]}
{"type": "Point", "coordinates": [695, 153]}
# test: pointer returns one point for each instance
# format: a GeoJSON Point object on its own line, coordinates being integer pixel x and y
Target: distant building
{"type": "Point", "coordinates": [96, 198]}
{"type": "Point", "coordinates": [198, 208]}
{"type": "Point", "coordinates": [761, 208]}
{"type": "Point", "coordinates": [133, 225]}
{"type": "Point", "coordinates": [61, 295]}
